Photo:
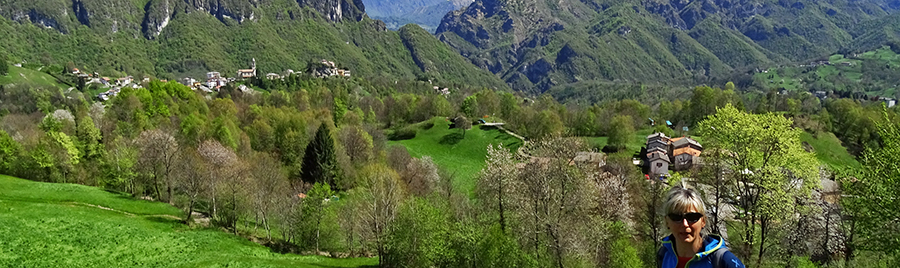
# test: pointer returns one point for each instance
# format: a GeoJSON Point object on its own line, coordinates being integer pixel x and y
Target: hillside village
{"type": "Point", "coordinates": [664, 153]}
{"type": "Point", "coordinates": [214, 80]}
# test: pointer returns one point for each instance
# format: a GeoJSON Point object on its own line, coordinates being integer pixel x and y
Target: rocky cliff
{"type": "Point", "coordinates": [152, 16]}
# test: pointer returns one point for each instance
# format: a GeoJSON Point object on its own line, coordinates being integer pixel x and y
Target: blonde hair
{"type": "Point", "coordinates": [681, 199]}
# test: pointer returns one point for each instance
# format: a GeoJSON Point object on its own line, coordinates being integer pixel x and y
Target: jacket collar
{"type": "Point", "coordinates": [711, 243]}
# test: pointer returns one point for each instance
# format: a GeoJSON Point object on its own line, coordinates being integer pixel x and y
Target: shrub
{"type": "Point", "coordinates": [404, 133]}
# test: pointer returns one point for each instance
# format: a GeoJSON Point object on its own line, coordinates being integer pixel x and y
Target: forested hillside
{"type": "Point", "coordinates": [174, 39]}
{"type": "Point", "coordinates": [535, 45]}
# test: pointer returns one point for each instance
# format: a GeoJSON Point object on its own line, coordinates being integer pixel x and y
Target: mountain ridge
{"type": "Point", "coordinates": [637, 41]}
{"type": "Point", "coordinates": [174, 39]}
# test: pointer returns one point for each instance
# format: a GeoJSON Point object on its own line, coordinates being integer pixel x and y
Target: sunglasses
{"type": "Point", "coordinates": [691, 217]}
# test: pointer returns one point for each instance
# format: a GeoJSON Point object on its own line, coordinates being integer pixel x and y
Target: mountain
{"type": "Point", "coordinates": [425, 13]}
{"type": "Point", "coordinates": [173, 39]}
{"type": "Point", "coordinates": [536, 45]}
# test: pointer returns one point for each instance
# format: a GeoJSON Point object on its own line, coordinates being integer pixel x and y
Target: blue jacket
{"type": "Point", "coordinates": [704, 258]}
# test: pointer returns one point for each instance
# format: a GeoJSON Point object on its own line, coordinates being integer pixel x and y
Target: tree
{"type": "Point", "coordinates": [120, 164]}
{"type": "Point", "coordinates": [319, 161]}
{"type": "Point", "coordinates": [873, 195]}
{"type": "Point", "coordinates": [621, 131]}
{"type": "Point", "coordinates": [357, 144]}
{"type": "Point", "coordinates": [497, 183]}
{"type": "Point", "coordinates": [89, 138]}
{"type": "Point", "coordinates": [469, 106]}
{"type": "Point", "coordinates": [64, 152]}
{"type": "Point", "coordinates": [556, 200]}
{"type": "Point", "coordinates": [314, 210]}
{"type": "Point", "coordinates": [159, 152]}
{"type": "Point", "coordinates": [547, 124]}
{"type": "Point", "coordinates": [268, 177]}
{"type": "Point", "coordinates": [222, 162]}
{"type": "Point", "coordinates": [9, 153]}
{"type": "Point", "coordinates": [771, 169]}
{"type": "Point", "coordinates": [192, 179]}
{"type": "Point", "coordinates": [380, 196]}
{"type": "Point", "coordinates": [4, 65]}
{"type": "Point", "coordinates": [461, 122]}
{"type": "Point", "coordinates": [419, 236]}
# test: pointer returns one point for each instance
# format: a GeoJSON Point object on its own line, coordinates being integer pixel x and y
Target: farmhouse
{"type": "Point", "coordinates": [678, 153]}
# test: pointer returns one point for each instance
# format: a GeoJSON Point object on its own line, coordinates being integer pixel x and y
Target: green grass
{"type": "Point", "coordinates": [633, 146]}
{"type": "Point", "coordinates": [59, 225]}
{"type": "Point", "coordinates": [829, 151]}
{"type": "Point", "coordinates": [19, 76]}
{"type": "Point", "coordinates": [464, 158]}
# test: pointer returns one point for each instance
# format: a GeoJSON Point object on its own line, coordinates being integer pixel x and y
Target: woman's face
{"type": "Point", "coordinates": [684, 230]}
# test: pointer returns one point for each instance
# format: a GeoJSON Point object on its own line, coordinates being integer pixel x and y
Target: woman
{"type": "Point", "coordinates": [689, 245]}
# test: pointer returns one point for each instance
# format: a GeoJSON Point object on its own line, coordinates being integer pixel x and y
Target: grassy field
{"type": "Point", "coordinates": [633, 146]}
{"type": "Point", "coordinates": [847, 69]}
{"type": "Point", "coordinates": [829, 151]}
{"type": "Point", "coordinates": [66, 225]}
{"type": "Point", "coordinates": [462, 157]}
{"type": "Point", "coordinates": [18, 76]}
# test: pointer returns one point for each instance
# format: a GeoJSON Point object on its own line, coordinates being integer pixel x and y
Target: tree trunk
{"type": "Point", "coordinates": [187, 220]}
{"type": "Point", "coordinates": [500, 203]}
{"type": "Point", "coordinates": [156, 187]}
{"type": "Point", "coordinates": [169, 192]}
{"type": "Point", "coordinates": [764, 227]}
{"type": "Point", "coordinates": [268, 231]}
{"type": "Point", "coordinates": [556, 246]}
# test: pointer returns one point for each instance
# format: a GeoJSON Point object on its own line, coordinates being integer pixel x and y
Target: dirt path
{"type": "Point", "coordinates": [128, 213]}
{"type": "Point", "coordinates": [100, 207]}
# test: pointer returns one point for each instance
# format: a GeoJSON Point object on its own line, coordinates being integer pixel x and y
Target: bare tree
{"type": "Point", "coordinates": [192, 179]}
{"type": "Point", "coordinates": [158, 156]}
{"type": "Point", "coordinates": [268, 177]}
{"type": "Point", "coordinates": [421, 176]}
{"type": "Point", "coordinates": [381, 196]}
{"type": "Point", "coordinates": [221, 160]}
{"type": "Point", "coordinates": [555, 199]}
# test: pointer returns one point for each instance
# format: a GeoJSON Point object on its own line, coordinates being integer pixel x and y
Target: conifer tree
{"type": "Point", "coordinates": [320, 161]}
{"type": "Point", "coordinates": [4, 68]}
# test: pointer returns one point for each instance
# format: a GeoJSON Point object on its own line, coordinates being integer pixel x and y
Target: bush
{"type": "Point", "coordinates": [404, 133]}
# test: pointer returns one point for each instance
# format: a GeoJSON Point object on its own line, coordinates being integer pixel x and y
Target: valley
{"type": "Point", "coordinates": [463, 133]}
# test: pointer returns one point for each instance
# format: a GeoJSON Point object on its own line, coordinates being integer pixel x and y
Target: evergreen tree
{"type": "Point", "coordinates": [319, 161]}
{"type": "Point", "coordinates": [4, 67]}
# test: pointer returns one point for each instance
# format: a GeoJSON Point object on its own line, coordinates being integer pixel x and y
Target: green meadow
{"type": "Point", "coordinates": [67, 225]}
{"type": "Point", "coordinates": [19, 75]}
{"type": "Point", "coordinates": [829, 150]}
{"type": "Point", "coordinates": [461, 155]}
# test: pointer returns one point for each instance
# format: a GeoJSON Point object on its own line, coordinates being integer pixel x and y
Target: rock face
{"type": "Point", "coordinates": [647, 40]}
{"type": "Point", "coordinates": [112, 16]}
{"type": "Point", "coordinates": [337, 10]}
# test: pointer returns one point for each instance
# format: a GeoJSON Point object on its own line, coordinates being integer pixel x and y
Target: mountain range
{"type": "Point", "coordinates": [530, 46]}
{"type": "Point", "coordinates": [425, 13]}
{"type": "Point", "coordinates": [174, 39]}
{"type": "Point", "coordinates": [537, 45]}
